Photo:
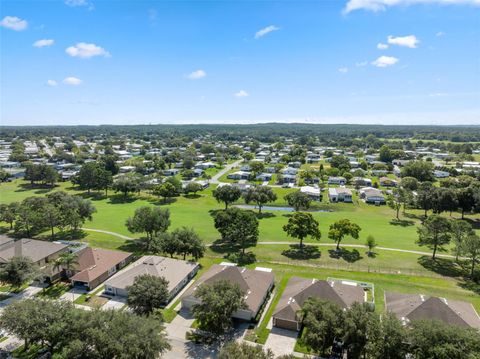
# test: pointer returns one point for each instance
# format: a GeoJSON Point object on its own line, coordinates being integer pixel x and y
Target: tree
{"type": "Point", "coordinates": [218, 301]}
{"type": "Point", "coordinates": [260, 195]}
{"type": "Point", "coordinates": [298, 200]}
{"type": "Point", "coordinates": [87, 177]}
{"type": "Point", "coordinates": [409, 183]}
{"type": "Point", "coordinates": [17, 271]}
{"type": "Point", "coordinates": [166, 243]}
{"type": "Point", "coordinates": [301, 225]}
{"type": "Point", "coordinates": [370, 243]}
{"type": "Point", "coordinates": [389, 343]}
{"type": "Point", "coordinates": [147, 293]}
{"type": "Point", "coordinates": [257, 167]}
{"type": "Point", "coordinates": [149, 220]}
{"type": "Point", "coordinates": [444, 200]}
{"type": "Point", "coordinates": [342, 228]}
{"type": "Point", "coordinates": [470, 248]}
{"type": "Point", "coordinates": [434, 233]}
{"type": "Point", "coordinates": [420, 170]}
{"type": "Point", "coordinates": [340, 162]}
{"type": "Point", "coordinates": [227, 194]}
{"type": "Point", "coordinates": [360, 325]}
{"type": "Point", "coordinates": [188, 242]}
{"type": "Point", "coordinates": [460, 230]}
{"type": "Point", "coordinates": [126, 184]}
{"type": "Point", "coordinates": [323, 322]}
{"type": "Point", "coordinates": [386, 154]}
{"type": "Point", "coordinates": [237, 226]}
{"type": "Point", "coordinates": [394, 202]}
{"type": "Point", "coordinates": [235, 350]}
{"type": "Point", "coordinates": [425, 196]}
{"type": "Point", "coordinates": [8, 213]}
{"type": "Point", "coordinates": [51, 215]}
{"type": "Point", "coordinates": [466, 199]}
{"type": "Point", "coordinates": [434, 339]}
{"type": "Point", "coordinates": [192, 187]}
{"type": "Point", "coordinates": [66, 261]}
{"type": "Point", "coordinates": [165, 190]}
{"type": "Point", "coordinates": [4, 175]}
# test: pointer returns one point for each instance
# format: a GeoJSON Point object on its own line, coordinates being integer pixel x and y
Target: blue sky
{"type": "Point", "coordinates": [345, 61]}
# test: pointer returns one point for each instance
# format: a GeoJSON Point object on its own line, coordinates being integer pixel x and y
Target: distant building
{"type": "Point", "coordinates": [340, 194]}
{"type": "Point", "coordinates": [341, 181]}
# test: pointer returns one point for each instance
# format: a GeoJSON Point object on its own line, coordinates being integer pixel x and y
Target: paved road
{"type": "Point", "coordinates": [227, 168]}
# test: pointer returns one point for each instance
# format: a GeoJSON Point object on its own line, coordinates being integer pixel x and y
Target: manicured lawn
{"type": "Point", "coordinates": [82, 300]}
{"type": "Point", "coordinates": [443, 287]}
{"type": "Point", "coordinates": [55, 291]}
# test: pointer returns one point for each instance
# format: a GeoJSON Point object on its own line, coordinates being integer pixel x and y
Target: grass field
{"type": "Point", "coordinates": [112, 213]}
{"type": "Point", "coordinates": [388, 270]}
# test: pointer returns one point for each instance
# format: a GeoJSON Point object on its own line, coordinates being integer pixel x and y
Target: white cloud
{"type": "Point", "coordinates": [14, 23]}
{"type": "Point", "coordinates": [385, 61]}
{"type": "Point", "coordinates": [410, 41]}
{"type": "Point", "coordinates": [241, 94]}
{"type": "Point", "coordinates": [196, 75]}
{"type": "Point", "coordinates": [85, 51]}
{"type": "Point", "coordinates": [43, 43]}
{"type": "Point", "coordinates": [382, 5]}
{"type": "Point", "coordinates": [74, 3]}
{"type": "Point", "coordinates": [382, 46]}
{"type": "Point", "coordinates": [74, 81]}
{"type": "Point", "coordinates": [440, 34]}
{"type": "Point", "coordinates": [265, 30]}
{"type": "Point", "coordinates": [52, 83]}
{"type": "Point", "coordinates": [343, 70]}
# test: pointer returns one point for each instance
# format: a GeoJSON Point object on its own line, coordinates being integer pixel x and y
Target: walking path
{"type": "Point", "coordinates": [310, 244]}
{"type": "Point", "coordinates": [215, 178]}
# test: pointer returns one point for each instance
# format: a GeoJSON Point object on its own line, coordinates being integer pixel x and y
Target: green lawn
{"type": "Point", "coordinates": [443, 287]}
{"type": "Point", "coordinates": [55, 291]}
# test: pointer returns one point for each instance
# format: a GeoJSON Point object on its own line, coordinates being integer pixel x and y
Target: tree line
{"type": "Point", "coordinates": [34, 214]}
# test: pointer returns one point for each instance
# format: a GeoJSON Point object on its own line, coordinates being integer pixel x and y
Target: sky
{"type": "Point", "coordinates": [79, 62]}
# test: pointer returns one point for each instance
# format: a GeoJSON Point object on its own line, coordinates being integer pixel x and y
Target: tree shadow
{"type": "Point", "coordinates": [133, 246]}
{"type": "Point", "coordinates": [302, 253]}
{"type": "Point", "coordinates": [4, 230]}
{"type": "Point", "coordinates": [420, 217]}
{"type": "Point", "coordinates": [223, 246]}
{"type": "Point", "coordinates": [67, 235]}
{"type": "Point", "coordinates": [348, 256]}
{"type": "Point", "coordinates": [371, 254]}
{"type": "Point", "coordinates": [443, 266]}
{"type": "Point", "coordinates": [36, 188]}
{"type": "Point", "coordinates": [288, 215]}
{"type": "Point", "coordinates": [213, 212]}
{"type": "Point", "coordinates": [265, 215]}
{"type": "Point", "coordinates": [161, 201]}
{"type": "Point", "coordinates": [192, 196]}
{"type": "Point", "coordinates": [474, 222]}
{"type": "Point", "coordinates": [471, 285]}
{"type": "Point", "coordinates": [121, 199]}
{"type": "Point", "coordinates": [402, 222]}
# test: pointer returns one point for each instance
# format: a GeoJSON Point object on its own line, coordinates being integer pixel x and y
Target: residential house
{"type": "Point", "coordinates": [42, 253]}
{"type": "Point", "coordinates": [387, 182]}
{"type": "Point", "coordinates": [372, 195]}
{"type": "Point", "coordinates": [177, 272]}
{"type": "Point", "coordinates": [256, 284]}
{"type": "Point", "coordinates": [341, 181]}
{"type": "Point", "coordinates": [264, 177]}
{"type": "Point", "coordinates": [312, 192]}
{"type": "Point", "coordinates": [340, 194]}
{"type": "Point", "coordinates": [299, 290]}
{"type": "Point", "coordinates": [95, 266]}
{"type": "Point", "coordinates": [290, 171]}
{"type": "Point", "coordinates": [362, 181]}
{"type": "Point", "coordinates": [239, 175]}
{"type": "Point", "coordinates": [411, 307]}
{"type": "Point", "coordinates": [171, 172]}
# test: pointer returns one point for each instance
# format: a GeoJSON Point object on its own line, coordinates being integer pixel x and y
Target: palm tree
{"type": "Point", "coordinates": [65, 261]}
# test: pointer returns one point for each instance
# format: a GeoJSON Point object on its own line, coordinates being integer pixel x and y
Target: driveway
{"type": "Point", "coordinates": [73, 294]}
{"type": "Point", "coordinates": [281, 341]}
{"type": "Point", "coordinates": [115, 303]}
{"type": "Point", "coordinates": [215, 178]}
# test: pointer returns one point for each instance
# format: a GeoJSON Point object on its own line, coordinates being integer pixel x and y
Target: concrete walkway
{"type": "Point", "coordinates": [108, 232]}
{"type": "Point", "coordinates": [281, 341]}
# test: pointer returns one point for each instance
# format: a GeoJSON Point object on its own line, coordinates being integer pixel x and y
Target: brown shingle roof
{"type": "Point", "coordinates": [298, 290]}
{"type": "Point", "coordinates": [34, 249]}
{"type": "Point", "coordinates": [254, 283]}
{"type": "Point", "coordinates": [417, 307]}
{"type": "Point", "coordinates": [93, 262]}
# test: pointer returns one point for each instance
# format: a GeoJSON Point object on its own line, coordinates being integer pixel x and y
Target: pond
{"type": "Point", "coordinates": [274, 208]}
